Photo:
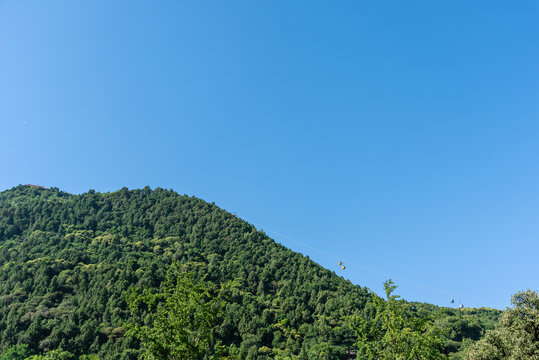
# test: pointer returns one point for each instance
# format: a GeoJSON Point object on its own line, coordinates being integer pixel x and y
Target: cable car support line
{"type": "Point", "coordinates": [342, 260]}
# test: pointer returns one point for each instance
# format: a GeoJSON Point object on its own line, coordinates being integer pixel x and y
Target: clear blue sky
{"type": "Point", "coordinates": [402, 136]}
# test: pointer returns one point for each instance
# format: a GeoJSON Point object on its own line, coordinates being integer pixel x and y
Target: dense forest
{"type": "Point", "coordinates": [69, 261]}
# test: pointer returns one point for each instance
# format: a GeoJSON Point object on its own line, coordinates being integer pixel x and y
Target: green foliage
{"type": "Point", "coordinates": [517, 337]}
{"type": "Point", "coordinates": [16, 352]}
{"type": "Point", "coordinates": [66, 262]}
{"type": "Point", "coordinates": [393, 334]}
{"type": "Point", "coordinates": [57, 354]}
{"type": "Point", "coordinates": [185, 313]}
{"type": "Point", "coordinates": [460, 327]}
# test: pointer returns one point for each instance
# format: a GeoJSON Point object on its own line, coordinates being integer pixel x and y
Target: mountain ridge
{"type": "Point", "coordinates": [67, 260]}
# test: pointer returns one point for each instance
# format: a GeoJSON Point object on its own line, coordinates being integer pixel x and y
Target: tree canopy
{"type": "Point", "coordinates": [394, 334]}
{"type": "Point", "coordinates": [517, 337]}
{"type": "Point", "coordinates": [185, 314]}
{"type": "Point", "coordinates": [67, 261]}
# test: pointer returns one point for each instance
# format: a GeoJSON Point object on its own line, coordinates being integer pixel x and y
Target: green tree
{"type": "Point", "coordinates": [393, 334]}
{"type": "Point", "coordinates": [517, 337]}
{"type": "Point", "coordinates": [17, 352]}
{"type": "Point", "coordinates": [184, 315]}
{"type": "Point", "coordinates": [57, 354]}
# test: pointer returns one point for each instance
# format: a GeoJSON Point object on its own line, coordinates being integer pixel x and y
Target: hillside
{"type": "Point", "coordinates": [67, 260]}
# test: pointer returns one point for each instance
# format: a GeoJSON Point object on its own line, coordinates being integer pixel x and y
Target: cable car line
{"type": "Point", "coordinates": [342, 261]}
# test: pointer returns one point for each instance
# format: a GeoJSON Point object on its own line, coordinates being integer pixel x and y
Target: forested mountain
{"type": "Point", "coordinates": [66, 262]}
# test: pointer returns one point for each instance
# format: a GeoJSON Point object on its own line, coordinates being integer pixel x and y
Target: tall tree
{"type": "Point", "coordinates": [184, 315]}
{"type": "Point", "coordinates": [393, 334]}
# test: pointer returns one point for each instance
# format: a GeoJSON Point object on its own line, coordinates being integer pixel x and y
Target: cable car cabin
{"type": "Point", "coordinates": [340, 262]}
{"type": "Point", "coordinates": [343, 267]}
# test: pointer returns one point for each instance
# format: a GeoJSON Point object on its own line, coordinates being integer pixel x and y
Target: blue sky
{"type": "Point", "coordinates": [400, 136]}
